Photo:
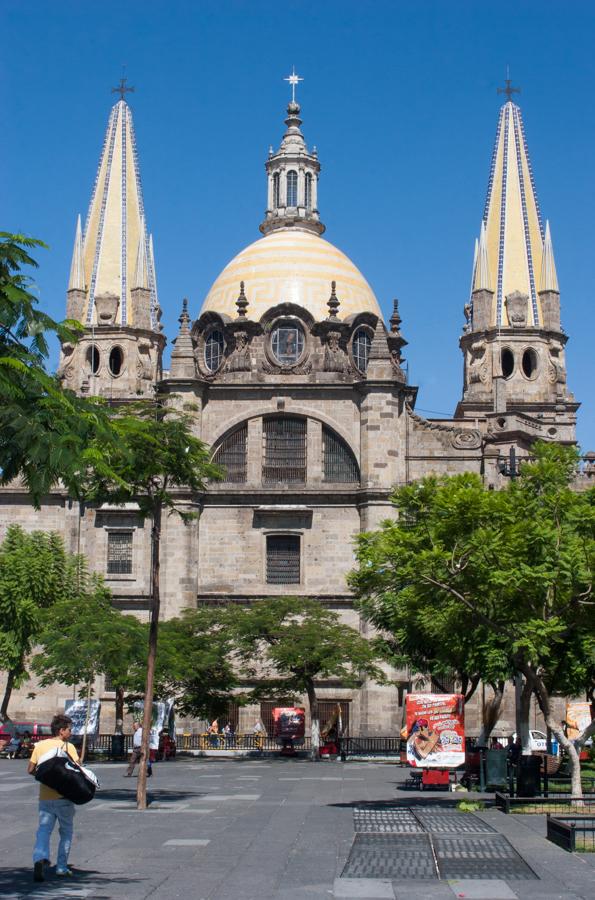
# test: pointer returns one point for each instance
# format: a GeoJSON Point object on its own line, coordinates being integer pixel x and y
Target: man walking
{"type": "Point", "coordinates": [136, 749]}
{"type": "Point", "coordinates": [53, 807]}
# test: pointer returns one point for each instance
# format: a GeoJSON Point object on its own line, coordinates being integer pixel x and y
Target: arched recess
{"type": "Point", "coordinates": [232, 455]}
{"type": "Point", "coordinates": [339, 465]}
{"type": "Point", "coordinates": [285, 443]}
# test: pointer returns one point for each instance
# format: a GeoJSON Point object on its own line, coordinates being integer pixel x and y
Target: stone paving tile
{"type": "Point", "coordinates": [482, 890]}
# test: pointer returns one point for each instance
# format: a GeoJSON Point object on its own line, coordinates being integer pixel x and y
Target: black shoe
{"type": "Point", "coordinates": [149, 772]}
{"type": "Point", "coordinates": [38, 871]}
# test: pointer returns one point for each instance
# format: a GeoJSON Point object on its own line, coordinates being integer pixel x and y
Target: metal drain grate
{"type": "Point", "coordinates": [453, 823]}
{"type": "Point", "coordinates": [479, 857]}
{"type": "Point", "coordinates": [399, 856]}
{"type": "Point", "coordinates": [395, 821]}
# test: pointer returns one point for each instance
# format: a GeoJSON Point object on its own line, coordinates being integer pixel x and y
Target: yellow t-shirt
{"type": "Point", "coordinates": [39, 750]}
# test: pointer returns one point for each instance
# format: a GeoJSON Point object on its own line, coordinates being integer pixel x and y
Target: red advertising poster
{"type": "Point", "coordinates": [289, 723]}
{"type": "Point", "coordinates": [435, 730]}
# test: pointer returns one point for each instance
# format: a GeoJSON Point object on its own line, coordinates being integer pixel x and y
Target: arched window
{"type": "Point", "coordinates": [214, 346]}
{"type": "Point", "coordinates": [529, 363]}
{"type": "Point", "coordinates": [276, 191]}
{"type": "Point", "coordinates": [308, 187]}
{"type": "Point", "coordinates": [93, 359]}
{"type": "Point", "coordinates": [292, 183]}
{"type": "Point", "coordinates": [361, 348]}
{"type": "Point", "coordinates": [338, 462]}
{"type": "Point", "coordinates": [116, 361]}
{"type": "Point", "coordinates": [232, 455]}
{"type": "Point", "coordinates": [284, 439]}
{"type": "Point", "coordinates": [287, 343]}
{"type": "Point", "coordinates": [507, 360]}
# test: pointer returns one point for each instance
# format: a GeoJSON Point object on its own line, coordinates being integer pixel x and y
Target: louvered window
{"type": "Point", "coordinates": [337, 459]}
{"type": "Point", "coordinates": [232, 455]}
{"type": "Point", "coordinates": [283, 559]}
{"type": "Point", "coordinates": [119, 553]}
{"type": "Point", "coordinates": [284, 450]}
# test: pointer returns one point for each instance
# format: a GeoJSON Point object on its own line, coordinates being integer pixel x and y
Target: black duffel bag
{"type": "Point", "coordinates": [57, 770]}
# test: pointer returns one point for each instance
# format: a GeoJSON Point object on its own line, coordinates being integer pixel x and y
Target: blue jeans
{"type": "Point", "coordinates": [49, 812]}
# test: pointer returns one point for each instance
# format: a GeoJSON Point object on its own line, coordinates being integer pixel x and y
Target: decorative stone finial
{"type": "Point", "coordinates": [242, 302]}
{"type": "Point", "coordinates": [395, 320]}
{"type": "Point", "coordinates": [333, 302]}
{"type": "Point", "coordinates": [184, 319]}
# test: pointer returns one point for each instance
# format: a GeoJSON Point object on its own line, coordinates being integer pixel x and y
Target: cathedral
{"type": "Point", "coordinates": [298, 386]}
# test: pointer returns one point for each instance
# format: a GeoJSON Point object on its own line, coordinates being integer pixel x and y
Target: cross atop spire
{"type": "Point", "coordinates": [122, 88]}
{"type": "Point", "coordinates": [508, 90]}
{"type": "Point", "coordinates": [294, 80]}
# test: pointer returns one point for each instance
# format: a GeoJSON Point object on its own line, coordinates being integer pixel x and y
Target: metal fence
{"type": "Point", "coordinates": [371, 746]}
{"type": "Point", "coordinates": [556, 804]}
{"type": "Point", "coordinates": [572, 833]}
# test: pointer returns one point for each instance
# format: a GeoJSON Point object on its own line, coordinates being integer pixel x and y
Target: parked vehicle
{"type": "Point", "coordinates": [538, 742]}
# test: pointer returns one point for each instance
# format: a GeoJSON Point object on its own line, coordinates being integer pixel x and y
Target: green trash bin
{"type": "Point", "coordinates": [117, 746]}
{"type": "Point", "coordinates": [496, 769]}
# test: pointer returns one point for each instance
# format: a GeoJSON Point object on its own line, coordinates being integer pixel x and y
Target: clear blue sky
{"type": "Point", "coordinates": [400, 99]}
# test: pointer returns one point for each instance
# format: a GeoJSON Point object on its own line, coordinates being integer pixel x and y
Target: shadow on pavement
{"type": "Point", "coordinates": [19, 883]}
{"type": "Point", "coordinates": [420, 802]}
{"type": "Point", "coordinates": [110, 795]}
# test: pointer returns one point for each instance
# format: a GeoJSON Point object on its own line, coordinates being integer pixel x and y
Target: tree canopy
{"type": "Point", "coordinates": [503, 577]}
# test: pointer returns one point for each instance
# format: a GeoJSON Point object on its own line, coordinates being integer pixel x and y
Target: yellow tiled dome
{"type": "Point", "coordinates": [291, 266]}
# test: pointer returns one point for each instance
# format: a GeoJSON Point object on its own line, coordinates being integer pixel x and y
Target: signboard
{"type": "Point", "coordinates": [578, 717]}
{"type": "Point", "coordinates": [77, 710]}
{"type": "Point", "coordinates": [435, 730]}
{"type": "Point", "coordinates": [162, 716]}
{"type": "Point", "coordinates": [289, 723]}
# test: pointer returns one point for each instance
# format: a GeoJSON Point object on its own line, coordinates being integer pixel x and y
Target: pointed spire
{"type": "Point", "coordinates": [473, 270]}
{"type": "Point", "coordinates": [115, 229]}
{"type": "Point", "coordinates": [76, 281]}
{"type": "Point", "coordinates": [549, 277]}
{"type": "Point", "coordinates": [242, 302]}
{"type": "Point", "coordinates": [379, 347]}
{"type": "Point", "coordinates": [513, 245]}
{"type": "Point", "coordinates": [182, 357]}
{"type": "Point", "coordinates": [395, 320]}
{"type": "Point", "coordinates": [141, 273]}
{"type": "Point", "coordinates": [483, 281]}
{"type": "Point", "coordinates": [333, 302]}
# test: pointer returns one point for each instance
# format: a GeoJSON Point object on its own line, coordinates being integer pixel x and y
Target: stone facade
{"type": "Point", "coordinates": [299, 388]}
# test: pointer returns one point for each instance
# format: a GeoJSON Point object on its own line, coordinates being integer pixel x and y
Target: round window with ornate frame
{"type": "Point", "coordinates": [507, 362]}
{"type": "Point", "coordinates": [92, 359]}
{"type": "Point", "coordinates": [116, 361]}
{"type": "Point", "coordinates": [530, 363]}
{"type": "Point", "coordinates": [214, 347]}
{"type": "Point", "coordinates": [287, 342]}
{"type": "Point", "coordinates": [360, 348]}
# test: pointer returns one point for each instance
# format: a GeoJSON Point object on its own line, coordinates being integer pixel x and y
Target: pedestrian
{"type": "Point", "coordinates": [137, 740]}
{"type": "Point", "coordinates": [53, 807]}
{"type": "Point", "coordinates": [153, 750]}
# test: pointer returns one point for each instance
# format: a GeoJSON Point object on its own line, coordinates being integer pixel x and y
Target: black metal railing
{"type": "Point", "coordinates": [556, 804]}
{"type": "Point", "coordinates": [371, 746]}
{"type": "Point", "coordinates": [572, 833]}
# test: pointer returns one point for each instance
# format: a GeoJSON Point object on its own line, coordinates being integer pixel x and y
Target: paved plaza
{"type": "Point", "coordinates": [277, 829]}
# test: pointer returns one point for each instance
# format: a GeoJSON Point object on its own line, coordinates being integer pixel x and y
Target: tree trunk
{"type": "Point", "coordinates": [7, 695]}
{"type": "Point", "coordinates": [543, 699]}
{"type": "Point", "coordinates": [491, 713]}
{"type": "Point", "coordinates": [87, 715]}
{"type": "Point", "coordinates": [141, 791]}
{"type": "Point", "coordinates": [119, 702]}
{"type": "Point", "coordinates": [314, 722]}
{"type": "Point", "coordinates": [524, 713]}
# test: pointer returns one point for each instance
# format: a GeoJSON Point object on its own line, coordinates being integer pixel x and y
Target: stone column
{"type": "Point", "coordinates": [315, 192]}
{"type": "Point", "coordinates": [270, 193]}
{"type": "Point", "coordinates": [301, 191]}
{"type": "Point", "coordinates": [254, 451]}
{"type": "Point", "coordinates": [283, 188]}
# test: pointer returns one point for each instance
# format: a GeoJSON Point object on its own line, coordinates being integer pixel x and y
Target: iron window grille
{"type": "Point", "coordinates": [292, 188]}
{"type": "Point", "coordinates": [287, 343]}
{"type": "Point", "coordinates": [214, 346]}
{"type": "Point", "coordinates": [233, 457]}
{"type": "Point", "coordinates": [283, 559]}
{"type": "Point", "coordinates": [119, 553]}
{"type": "Point", "coordinates": [284, 450]}
{"type": "Point", "coordinates": [361, 349]}
{"type": "Point", "coordinates": [338, 462]}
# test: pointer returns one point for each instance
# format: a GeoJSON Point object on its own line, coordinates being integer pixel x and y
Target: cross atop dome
{"type": "Point", "coordinates": [293, 80]}
{"type": "Point", "coordinates": [508, 90]}
{"type": "Point", "coordinates": [123, 88]}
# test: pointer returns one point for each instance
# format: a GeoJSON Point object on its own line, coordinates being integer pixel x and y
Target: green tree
{"type": "Point", "coordinates": [85, 636]}
{"type": "Point", "coordinates": [195, 663]}
{"type": "Point", "coordinates": [512, 569]}
{"type": "Point", "coordinates": [153, 459]}
{"type": "Point", "coordinates": [47, 434]}
{"type": "Point", "coordinates": [290, 643]}
{"type": "Point", "coordinates": [34, 574]}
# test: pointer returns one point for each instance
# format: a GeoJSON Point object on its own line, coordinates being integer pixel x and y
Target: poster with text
{"type": "Point", "coordinates": [578, 717]}
{"type": "Point", "coordinates": [289, 723]}
{"type": "Point", "coordinates": [77, 710]}
{"type": "Point", "coordinates": [435, 730]}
